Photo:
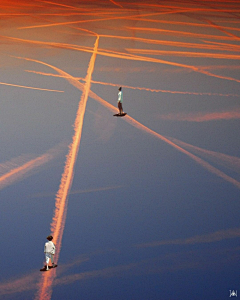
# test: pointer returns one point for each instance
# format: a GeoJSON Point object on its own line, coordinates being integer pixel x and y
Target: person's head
{"type": "Point", "coordinates": [49, 237]}
{"type": "Point", "coordinates": [120, 89]}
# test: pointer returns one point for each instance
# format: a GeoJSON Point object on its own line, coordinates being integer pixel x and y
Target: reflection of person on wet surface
{"type": "Point", "coordinates": [49, 250]}
{"type": "Point", "coordinates": [120, 99]}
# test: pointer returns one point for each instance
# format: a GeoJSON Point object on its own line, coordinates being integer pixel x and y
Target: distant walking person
{"type": "Point", "coordinates": [49, 250]}
{"type": "Point", "coordinates": [120, 99]}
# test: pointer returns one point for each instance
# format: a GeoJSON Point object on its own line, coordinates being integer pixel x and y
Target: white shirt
{"type": "Point", "coordinates": [49, 247]}
{"type": "Point", "coordinates": [120, 96]}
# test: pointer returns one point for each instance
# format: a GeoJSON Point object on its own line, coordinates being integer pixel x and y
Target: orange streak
{"type": "Point", "coordinates": [140, 126]}
{"type": "Point", "coordinates": [227, 47]}
{"type": "Point", "coordinates": [18, 172]}
{"type": "Point", "coordinates": [185, 54]}
{"type": "Point", "coordinates": [29, 282]}
{"type": "Point", "coordinates": [30, 87]}
{"type": "Point", "coordinates": [62, 5]}
{"type": "Point", "coordinates": [14, 14]}
{"type": "Point", "coordinates": [146, 129]}
{"type": "Point", "coordinates": [231, 46]}
{"type": "Point", "coordinates": [198, 160]}
{"type": "Point", "coordinates": [184, 23]}
{"type": "Point", "coordinates": [149, 266]}
{"type": "Point", "coordinates": [179, 7]}
{"type": "Point", "coordinates": [229, 21]}
{"type": "Point", "coordinates": [222, 29]}
{"type": "Point", "coordinates": [165, 91]}
{"type": "Point", "coordinates": [83, 21]}
{"type": "Point", "coordinates": [57, 14]}
{"type": "Point", "coordinates": [59, 218]}
{"type": "Point", "coordinates": [178, 33]}
{"type": "Point", "coordinates": [117, 4]}
{"type": "Point", "coordinates": [40, 195]}
{"type": "Point", "coordinates": [18, 5]}
{"type": "Point", "coordinates": [69, 167]}
{"type": "Point", "coordinates": [23, 284]}
{"type": "Point", "coordinates": [231, 162]}
{"type": "Point", "coordinates": [136, 88]}
{"type": "Point", "coordinates": [76, 8]}
{"type": "Point", "coordinates": [203, 117]}
{"type": "Point", "coordinates": [198, 239]}
{"type": "Point", "coordinates": [121, 55]}
{"type": "Point", "coordinates": [221, 67]}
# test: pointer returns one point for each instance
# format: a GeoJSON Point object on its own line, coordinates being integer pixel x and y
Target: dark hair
{"type": "Point", "coordinates": [49, 237]}
{"type": "Point", "coordinates": [120, 89]}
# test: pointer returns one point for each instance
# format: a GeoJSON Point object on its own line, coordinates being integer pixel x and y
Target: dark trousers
{"type": "Point", "coordinates": [120, 107]}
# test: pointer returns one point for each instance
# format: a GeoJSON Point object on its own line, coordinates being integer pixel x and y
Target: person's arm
{"type": "Point", "coordinates": [121, 96]}
{"type": "Point", "coordinates": [54, 248]}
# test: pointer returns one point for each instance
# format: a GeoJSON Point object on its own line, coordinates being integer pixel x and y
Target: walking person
{"type": "Point", "coordinates": [120, 100]}
{"type": "Point", "coordinates": [49, 250]}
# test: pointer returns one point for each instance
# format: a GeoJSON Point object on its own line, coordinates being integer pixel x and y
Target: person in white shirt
{"type": "Point", "coordinates": [49, 250]}
{"type": "Point", "coordinates": [120, 99]}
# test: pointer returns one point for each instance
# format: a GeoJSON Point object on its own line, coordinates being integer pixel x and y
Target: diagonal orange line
{"type": "Point", "coordinates": [59, 218]}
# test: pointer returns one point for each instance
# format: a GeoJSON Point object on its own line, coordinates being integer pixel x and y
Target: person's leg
{"type": "Point", "coordinates": [47, 260]}
{"type": "Point", "coordinates": [52, 260]}
{"type": "Point", "coordinates": [119, 107]}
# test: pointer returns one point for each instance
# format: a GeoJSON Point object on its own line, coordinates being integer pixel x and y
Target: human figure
{"type": "Point", "coordinates": [120, 99]}
{"type": "Point", "coordinates": [49, 250]}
